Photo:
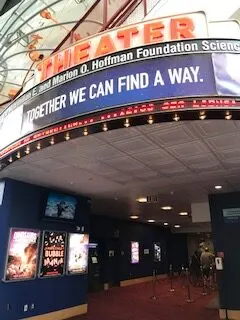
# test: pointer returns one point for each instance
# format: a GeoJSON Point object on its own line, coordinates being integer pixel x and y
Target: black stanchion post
{"type": "Point", "coordinates": [171, 278]}
{"type": "Point", "coordinates": [204, 293]}
{"type": "Point", "coordinates": [189, 300]}
{"type": "Point", "coordinates": [226, 315]}
{"type": "Point", "coordinates": [154, 278]}
{"type": "Point", "coordinates": [211, 278]}
{"type": "Point", "coordinates": [183, 277]}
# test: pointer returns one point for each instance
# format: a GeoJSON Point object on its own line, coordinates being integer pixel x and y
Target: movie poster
{"type": "Point", "coordinates": [53, 254]}
{"type": "Point", "coordinates": [22, 255]}
{"type": "Point", "coordinates": [134, 252]}
{"type": "Point", "coordinates": [157, 252]}
{"type": "Point", "coordinates": [77, 253]}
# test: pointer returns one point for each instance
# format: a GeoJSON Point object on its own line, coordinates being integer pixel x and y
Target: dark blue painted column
{"type": "Point", "coordinates": [226, 237]}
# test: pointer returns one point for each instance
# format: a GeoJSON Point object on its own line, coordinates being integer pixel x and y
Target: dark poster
{"type": "Point", "coordinates": [53, 254]}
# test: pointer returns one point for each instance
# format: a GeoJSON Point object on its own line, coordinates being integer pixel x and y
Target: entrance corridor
{"type": "Point", "coordinates": [135, 303]}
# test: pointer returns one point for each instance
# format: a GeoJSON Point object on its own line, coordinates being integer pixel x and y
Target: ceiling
{"type": "Point", "coordinates": [179, 162]}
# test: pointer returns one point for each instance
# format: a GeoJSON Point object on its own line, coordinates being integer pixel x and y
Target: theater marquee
{"type": "Point", "coordinates": [154, 67]}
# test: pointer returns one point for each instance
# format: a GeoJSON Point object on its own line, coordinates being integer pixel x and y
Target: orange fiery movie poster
{"type": "Point", "coordinates": [53, 254]}
{"type": "Point", "coordinates": [22, 255]}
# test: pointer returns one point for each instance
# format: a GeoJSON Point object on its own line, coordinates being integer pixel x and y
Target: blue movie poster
{"type": "Point", "coordinates": [60, 206]}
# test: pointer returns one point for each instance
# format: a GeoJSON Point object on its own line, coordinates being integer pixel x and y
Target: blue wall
{"type": "Point", "coordinates": [21, 208]}
{"type": "Point", "coordinates": [226, 237]}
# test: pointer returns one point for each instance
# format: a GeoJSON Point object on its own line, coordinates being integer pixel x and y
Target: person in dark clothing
{"type": "Point", "coordinates": [207, 260]}
{"type": "Point", "coordinates": [195, 268]}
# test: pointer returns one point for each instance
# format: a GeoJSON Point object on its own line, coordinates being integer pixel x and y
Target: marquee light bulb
{"type": "Point", "coordinates": [105, 127]}
{"type": "Point", "coordinates": [27, 151]}
{"type": "Point", "coordinates": [85, 131]}
{"type": "Point", "coordinates": [228, 115]}
{"type": "Point", "coordinates": [126, 123]}
{"type": "Point", "coordinates": [39, 146]}
{"type": "Point", "coordinates": [67, 136]}
{"type": "Point", "coordinates": [150, 120]}
{"type": "Point", "coordinates": [202, 115]}
{"type": "Point", "coordinates": [176, 117]}
{"type": "Point", "coordinates": [52, 141]}
{"type": "Point", "coordinates": [18, 155]}
{"type": "Point", "coordinates": [10, 159]}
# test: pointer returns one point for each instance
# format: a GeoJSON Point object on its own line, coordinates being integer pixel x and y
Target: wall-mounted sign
{"type": "Point", "coordinates": [21, 263]}
{"type": "Point", "coordinates": [188, 26]}
{"type": "Point", "coordinates": [77, 253]}
{"type": "Point", "coordinates": [219, 263]}
{"type": "Point", "coordinates": [134, 252]}
{"type": "Point", "coordinates": [94, 260]}
{"type": "Point", "coordinates": [53, 254]}
{"type": "Point", "coordinates": [111, 253]}
{"type": "Point", "coordinates": [231, 215]}
{"type": "Point", "coordinates": [146, 251]}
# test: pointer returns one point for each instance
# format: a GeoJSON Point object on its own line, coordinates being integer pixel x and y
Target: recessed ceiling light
{"type": "Point", "coordinates": [165, 224]}
{"type": "Point", "coordinates": [177, 226]}
{"type": "Point", "coordinates": [183, 213]}
{"type": "Point", "coordinates": [151, 220]}
{"type": "Point", "coordinates": [218, 187]}
{"type": "Point", "coordinates": [142, 199]}
{"type": "Point", "coordinates": [134, 217]}
{"type": "Point", "coordinates": [166, 208]}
